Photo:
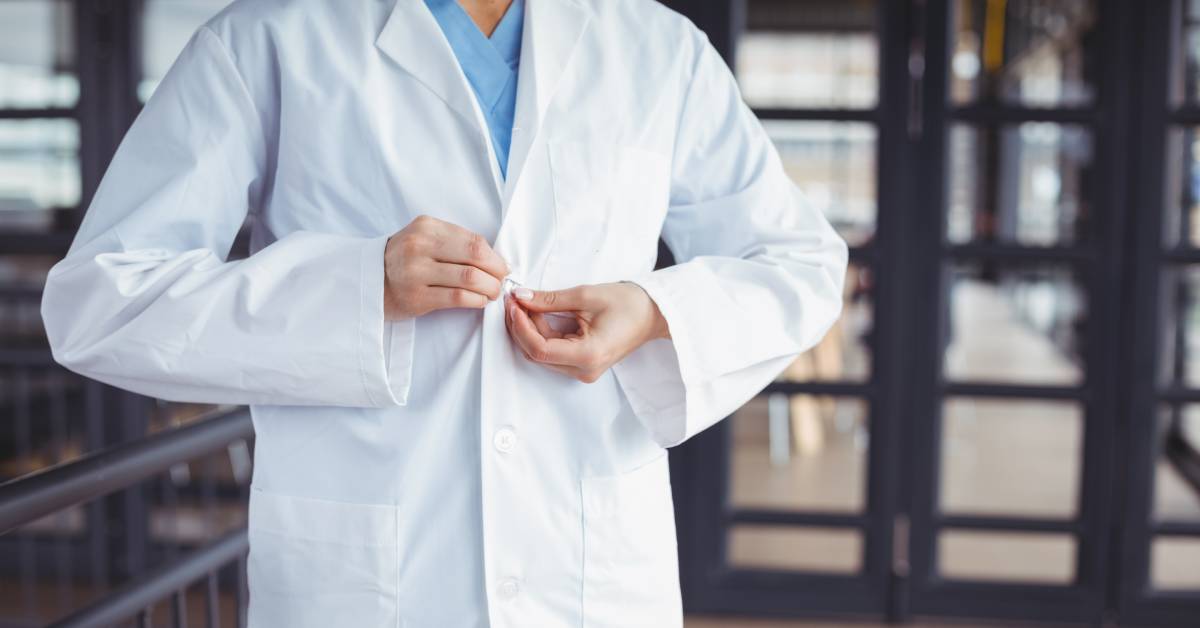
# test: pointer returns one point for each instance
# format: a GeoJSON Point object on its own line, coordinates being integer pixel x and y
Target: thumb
{"type": "Point", "coordinates": [571, 299]}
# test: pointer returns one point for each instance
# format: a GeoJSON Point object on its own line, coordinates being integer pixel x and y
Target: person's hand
{"type": "Point", "coordinates": [435, 265]}
{"type": "Point", "coordinates": [582, 331]}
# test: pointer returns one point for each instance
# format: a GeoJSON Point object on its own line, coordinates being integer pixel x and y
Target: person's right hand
{"type": "Point", "coordinates": [435, 265]}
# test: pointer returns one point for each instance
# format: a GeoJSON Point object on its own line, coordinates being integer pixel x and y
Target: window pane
{"type": "Point", "coordinates": [39, 172]}
{"type": "Point", "coordinates": [1175, 564]}
{"type": "Point", "coordinates": [26, 271]}
{"type": "Point", "coordinates": [1180, 320]}
{"type": "Point", "coordinates": [1021, 184]}
{"type": "Point", "coordinates": [1030, 52]}
{"type": "Point", "coordinates": [1181, 224]}
{"type": "Point", "coordinates": [1014, 325]}
{"type": "Point", "coordinates": [833, 163]}
{"type": "Point", "coordinates": [809, 69]}
{"type": "Point", "coordinates": [1187, 79]}
{"type": "Point", "coordinates": [37, 55]}
{"type": "Point", "coordinates": [167, 25]}
{"type": "Point", "coordinates": [20, 310]}
{"type": "Point", "coordinates": [1175, 498]}
{"type": "Point", "coordinates": [1006, 556]}
{"type": "Point", "coordinates": [1005, 457]}
{"type": "Point", "coordinates": [844, 354]}
{"type": "Point", "coordinates": [795, 549]}
{"type": "Point", "coordinates": [799, 452]}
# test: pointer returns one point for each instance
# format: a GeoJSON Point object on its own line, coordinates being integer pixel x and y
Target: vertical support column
{"type": "Point", "coordinates": [107, 44]}
{"type": "Point", "coordinates": [922, 234]}
{"type": "Point", "coordinates": [1109, 316]}
{"type": "Point", "coordinates": [1144, 311]}
{"type": "Point", "coordinates": [902, 70]}
{"type": "Point", "coordinates": [108, 63]}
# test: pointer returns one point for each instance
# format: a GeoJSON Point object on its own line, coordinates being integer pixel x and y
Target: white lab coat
{"type": "Point", "coordinates": [423, 473]}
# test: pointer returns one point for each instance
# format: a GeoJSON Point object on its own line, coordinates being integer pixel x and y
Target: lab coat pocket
{"type": "Point", "coordinates": [630, 563]}
{"type": "Point", "coordinates": [609, 204]}
{"type": "Point", "coordinates": [321, 563]}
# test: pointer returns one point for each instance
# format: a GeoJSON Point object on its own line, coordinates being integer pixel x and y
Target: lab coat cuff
{"type": "Point", "coordinates": [385, 347]}
{"type": "Point", "coordinates": [657, 378]}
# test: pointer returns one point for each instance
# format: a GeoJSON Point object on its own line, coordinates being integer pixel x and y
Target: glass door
{"type": "Point", "coordinates": [790, 496]}
{"type": "Point", "coordinates": [1017, 309]}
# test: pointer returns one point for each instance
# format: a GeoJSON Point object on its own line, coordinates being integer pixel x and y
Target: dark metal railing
{"type": "Point", "coordinates": [33, 496]}
{"type": "Point", "coordinates": [137, 598]}
{"type": "Point", "coordinates": [43, 492]}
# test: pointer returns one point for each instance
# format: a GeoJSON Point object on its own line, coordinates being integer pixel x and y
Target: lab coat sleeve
{"type": "Point", "coordinates": [144, 299]}
{"type": "Point", "coordinates": [760, 271]}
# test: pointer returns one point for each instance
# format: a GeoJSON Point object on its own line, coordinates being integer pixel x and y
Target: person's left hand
{"type": "Point", "coordinates": [582, 331]}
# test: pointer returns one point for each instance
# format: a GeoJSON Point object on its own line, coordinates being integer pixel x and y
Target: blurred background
{"type": "Point", "coordinates": [1002, 428]}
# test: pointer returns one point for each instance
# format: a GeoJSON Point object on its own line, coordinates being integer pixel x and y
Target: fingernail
{"type": "Point", "coordinates": [523, 294]}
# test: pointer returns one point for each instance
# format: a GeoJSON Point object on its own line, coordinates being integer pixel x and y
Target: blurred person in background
{"type": "Point", "coordinates": [438, 442]}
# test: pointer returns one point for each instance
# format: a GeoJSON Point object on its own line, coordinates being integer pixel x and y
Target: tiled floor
{"type": "Point", "coordinates": [697, 621]}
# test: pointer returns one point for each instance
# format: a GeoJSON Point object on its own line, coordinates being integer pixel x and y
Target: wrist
{"type": "Point", "coordinates": [656, 324]}
{"type": "Point", "coordinates": [659, 327]}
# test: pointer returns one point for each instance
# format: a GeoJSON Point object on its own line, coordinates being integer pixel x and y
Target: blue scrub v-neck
{"type": "Point", "coordinates": [490, 65]}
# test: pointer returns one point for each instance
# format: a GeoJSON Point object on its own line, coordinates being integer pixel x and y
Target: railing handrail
{"type": "Point", "coordinates": [138, 595]}
{"type": "Point", "coordinates": [33, 496]}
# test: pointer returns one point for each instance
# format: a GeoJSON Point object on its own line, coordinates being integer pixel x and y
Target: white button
{"type": "Point", "coordinates": [509, 588]}
{"type": "Point", "coordinates": [510, 283]}
{"type": "Point", "coordinates": [504, 440]}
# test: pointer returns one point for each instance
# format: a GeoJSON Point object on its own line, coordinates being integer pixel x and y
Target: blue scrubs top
{"type": "Point", "coordinates": [490, 65]}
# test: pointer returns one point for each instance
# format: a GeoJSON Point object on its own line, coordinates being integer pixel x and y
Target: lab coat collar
{"type": "Point", "coordinates": [553, 28]}
{"type": "Point", "coordinates": [413, 39]}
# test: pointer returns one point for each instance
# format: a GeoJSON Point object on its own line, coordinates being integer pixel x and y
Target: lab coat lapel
{"type": "Point", "coordinates": [552, 30]}
{"type": "Point", "coordinates": [413, 39]}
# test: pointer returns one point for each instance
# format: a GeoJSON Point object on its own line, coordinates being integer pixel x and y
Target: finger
{"type": "Point", "coordinates": [457, 245]}
{"type": "Point", "coordinates": [524, 342]}
{"type": "Point", "coordinates": [526, 338]}
{"type": "Point", "coordinates": [439, 298]}
{"type": "Point", "coordinates": [562, 370]}
{"type": "Point", "coordinates": [568, 371]}
{"type": "Point", "coordinates": [462, 276]}
{"type": "Point", "coordinates": [542, 324]}
{"type": "Point", "coordinates": [510, 306]}
{"type": "Point", "coordinates": [561, 351]}
{"type": "Point", "coordinates": [571, 299]}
